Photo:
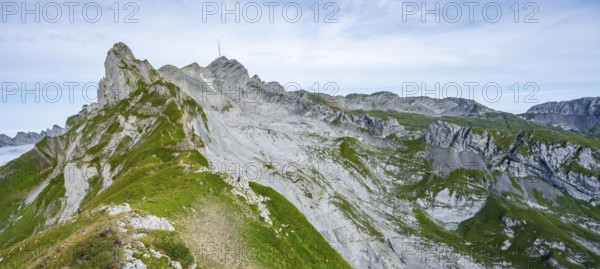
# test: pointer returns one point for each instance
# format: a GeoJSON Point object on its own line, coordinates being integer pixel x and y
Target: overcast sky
{"type": "Point", "coordinates": [550, 48]}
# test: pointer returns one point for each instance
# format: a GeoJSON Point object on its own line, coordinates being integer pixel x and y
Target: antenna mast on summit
{"type": "Point", "coordinates": [219, 46]}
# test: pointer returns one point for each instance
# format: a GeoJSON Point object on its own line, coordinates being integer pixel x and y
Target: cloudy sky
{"type": "Point", "coordinates": [534, 51]}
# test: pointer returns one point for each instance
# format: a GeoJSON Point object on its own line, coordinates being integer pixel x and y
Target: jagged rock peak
{"type": "Point", "coordinates": [120, 50]}
{"type": "Point", "coordinates": [54, 131]}
{"type": "Point", "coordinates": [24, 138]}
{"type": "Point", "coordinates": [123, 74]}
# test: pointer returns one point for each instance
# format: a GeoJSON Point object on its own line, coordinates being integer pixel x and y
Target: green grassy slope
{"type": "Point", "coordinates": [159, 175]}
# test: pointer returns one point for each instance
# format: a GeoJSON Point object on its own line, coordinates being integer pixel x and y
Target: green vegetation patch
{"type": "Point", "coordinates": [348, 153]}
{"type": "Point", "coordinates": [462, 183]}
{"type": "Point", "coordinates": [302, 246]}
{"type": "Point", "coordinates": [359, 219]}
{"type": "Point", "coordinates": [170, 244]}
{"type": "Point", "coordinates": [562, 138]}
{"type": "Point", "coordinates": [21, 175]}
{"type": "Point", "coordinates": [485, 231]}
{"type": "Point", "coordinates": [100, 249]}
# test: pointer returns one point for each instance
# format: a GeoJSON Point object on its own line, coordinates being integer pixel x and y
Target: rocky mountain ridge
{"type": "Point", "coordinates": [581, 115]}
{"type": "Point", "coordinates": [551, 162]}
{"type": "Point", "coordinates": [225, 76]}
{"type": "Point", "coordinates": [424, 105]}
{"type": "Point", "coordinates": [23, 138]}
{"type": "Point", "coordinates": [175, 160]}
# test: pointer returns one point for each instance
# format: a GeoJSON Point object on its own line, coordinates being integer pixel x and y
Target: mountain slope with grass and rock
{"type": "Point", "coordinates": [209, 167]}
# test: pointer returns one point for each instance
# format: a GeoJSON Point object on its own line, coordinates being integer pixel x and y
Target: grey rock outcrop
{"type": "Point", "coordinates": [555, 164]}
{"type": "Point", "coordinates": [124, 73]}
{"type": "Point", "coordinates": [567, 166]}
{"type": "Point", "coordinates": [274, 86]}
{"type": "Point", "coordinates": [579, 115]}
{"type": "Point", "coordinates": [230, 79]}
{"type": "Point", "coordinates": [229, 75]}
{"type": "Point", "coordinates": [23, 138]}
{"type": "Point", "coordinates": [447, 135]}
{"type": "Point", "coordinates": [374, 125]}
{"type": "Point", "coordinates": [189, 77]}
{"type": "Point", "coordinates": [54, 131]}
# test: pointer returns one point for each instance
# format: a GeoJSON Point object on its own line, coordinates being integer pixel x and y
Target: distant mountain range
{"type": "Point", "coordinates": [580, 115]}
{"type": "Point", "coordinates": [23, 138]}
{"type": "Point", "coordinates": [457, 107]}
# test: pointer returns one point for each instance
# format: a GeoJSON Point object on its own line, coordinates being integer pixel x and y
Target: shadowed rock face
{"type": "Point", "coordinates": [23, 138]}
{"type": "Point", "coordinates": [579, 115]}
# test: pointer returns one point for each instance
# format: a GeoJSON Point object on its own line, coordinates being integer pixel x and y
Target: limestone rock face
{"type": "Point", "coordinates": [189, 78]}
{"type": "Point", "coordinates": [579, 115]}
{"type": "Point", "coordinates": [374, 125]}
{"type": "Point", "coordinates": [447, 135]}
{"type": "Point", "coordinates": [124, 73]}
{"type": "Point", "coordinates": [230, 75]}
{"type": "Point", "coordinates": [550, 162]}
{"type": "Point", "coordinates": [554, 164]}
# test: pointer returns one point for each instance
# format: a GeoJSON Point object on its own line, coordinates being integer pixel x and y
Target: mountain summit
{"type": "Point", "coordinates": [124, 73]}
{"type": "Point", "coordinates": [208, 167]}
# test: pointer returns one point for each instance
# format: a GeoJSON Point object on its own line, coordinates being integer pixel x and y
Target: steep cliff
{"type": "Point", "coordinates": [582, 115]}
